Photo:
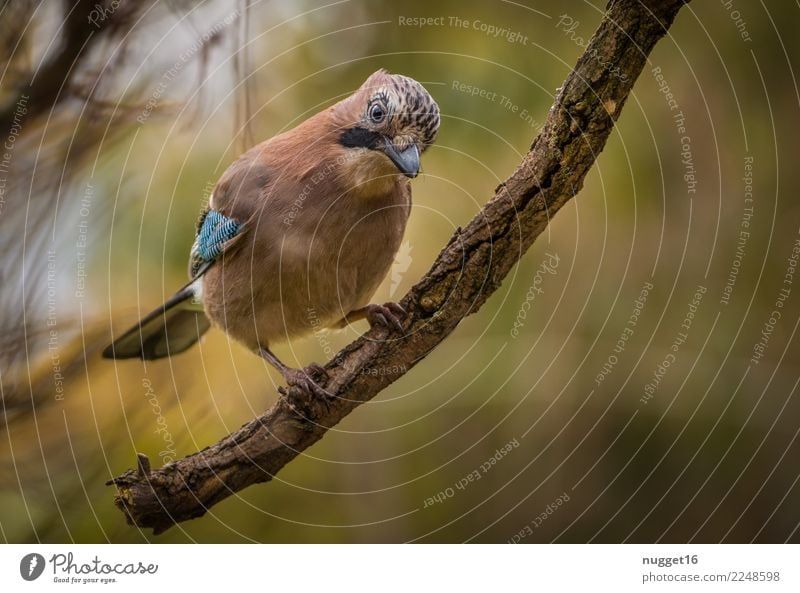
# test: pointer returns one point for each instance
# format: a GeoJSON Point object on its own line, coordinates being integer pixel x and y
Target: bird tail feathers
{"type": "Point", "coordinates": [172, 328]}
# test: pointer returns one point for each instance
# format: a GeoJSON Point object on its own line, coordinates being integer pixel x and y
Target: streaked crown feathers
{"type": "Point", "coordinates": [397, 106]}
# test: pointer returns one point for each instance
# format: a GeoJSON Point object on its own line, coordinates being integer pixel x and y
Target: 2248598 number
{"type": "Point", "coordinates": [754, 576]}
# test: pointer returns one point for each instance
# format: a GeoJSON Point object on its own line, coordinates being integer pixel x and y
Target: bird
{"type": "Point", "coordinates": [300, 231]}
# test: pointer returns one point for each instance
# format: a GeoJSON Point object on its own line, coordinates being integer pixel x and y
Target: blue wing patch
{"type": "Point", "coordinates": [213, 230]}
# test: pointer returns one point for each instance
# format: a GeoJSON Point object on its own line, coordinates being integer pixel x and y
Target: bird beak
{"type": "Point", "coordinates": [406, 160]}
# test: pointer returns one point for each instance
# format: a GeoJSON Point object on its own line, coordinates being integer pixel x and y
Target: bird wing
{"type": "Point", "coordinates": [234, 203]}
{"type": "Point", "coordinates": [215, 233]}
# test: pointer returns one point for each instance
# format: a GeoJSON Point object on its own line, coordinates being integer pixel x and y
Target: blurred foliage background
{"type": "Point", "coordinates": [609, 441]}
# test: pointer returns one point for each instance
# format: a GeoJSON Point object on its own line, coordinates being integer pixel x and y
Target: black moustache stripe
{"type": "Point", "coordinates": [360, 138]}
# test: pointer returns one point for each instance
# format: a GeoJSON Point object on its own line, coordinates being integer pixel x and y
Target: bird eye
{"type": "Point", "coordinates": [376, 113]}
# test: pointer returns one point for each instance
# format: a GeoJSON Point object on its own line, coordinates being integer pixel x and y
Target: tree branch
{"type": "Point", "coordinates": [467, 271]}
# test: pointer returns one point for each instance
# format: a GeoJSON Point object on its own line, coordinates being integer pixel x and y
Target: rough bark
{"type": "Point", "coordinates": [467, 271]}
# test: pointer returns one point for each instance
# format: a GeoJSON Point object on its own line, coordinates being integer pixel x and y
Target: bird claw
{"type": "Point", "coordinates": [306, 380]}
{"type": "Point", "coordinates": [388, 315]}
{"type": "Point", "coordinates": [316, 370]}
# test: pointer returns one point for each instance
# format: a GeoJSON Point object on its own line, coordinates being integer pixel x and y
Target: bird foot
{"type": "Point", "coordinates": [388, 315]}
{"type": "Point", "coordinates": [307, 380]}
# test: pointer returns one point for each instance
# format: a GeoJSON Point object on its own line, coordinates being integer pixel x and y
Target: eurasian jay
{"type": "Point", "coordinates": [301, 230]}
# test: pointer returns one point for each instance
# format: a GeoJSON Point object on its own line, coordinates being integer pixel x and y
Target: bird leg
{"type": "Point", "coordinates": [388, 315]}
{"type": "Point", "coordinates": [303, 379]}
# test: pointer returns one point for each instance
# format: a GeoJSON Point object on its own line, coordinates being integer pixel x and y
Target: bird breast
{"type": "Point", "coordinates": [368, 174]}
{"type": "Point", "coordinates": [296, 274]}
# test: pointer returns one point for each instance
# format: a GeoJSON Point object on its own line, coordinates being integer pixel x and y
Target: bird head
{"type": "Point", "coordinates": [391, 119]}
